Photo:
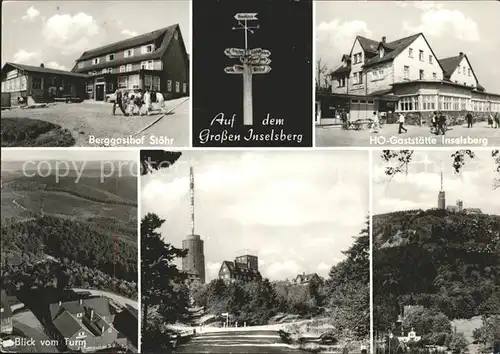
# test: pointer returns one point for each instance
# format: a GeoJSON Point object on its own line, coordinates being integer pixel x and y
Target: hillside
{"type": "Point", "coordinates": [442, 260]}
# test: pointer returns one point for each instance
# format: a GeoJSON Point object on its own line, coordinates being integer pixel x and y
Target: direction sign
{"type": "Point", "coordinates": [230, 70]}
{"type": "Point", "coordinates": [224, 314]}
{"type": "Point", "coordinates": [234, 52]}
{"type": "Point", "coordinates": [245, 16]}
{"type": "Point", "coordinates": [255, 51]}
{"type": "Point", "coordinates": [238, 68]}
{"type": "Point", "coordinates": [265, 53]}
{"type": "Point", "coordinates": [264, 69]}
{"type": "Point", "coordinates": [264, 61]}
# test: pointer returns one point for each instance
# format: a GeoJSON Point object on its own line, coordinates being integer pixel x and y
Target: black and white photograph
{"type": "Point", "coordinates": [407, 73]}
{"type": "Point", "coordinates": [95, 73]}
{"type": "Point", "coordinates": [255, 251]}
{"type": "Point", "coordinates": [252, 73]}
{"type": "Point", "coordinates": [436, 251]}
{"type": "Point", "coordinates": [69, 270]}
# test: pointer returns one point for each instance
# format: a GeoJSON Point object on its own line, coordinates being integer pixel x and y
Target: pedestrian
{"type": "Point", "coordinates": [497, 120]}
{"type": "Point", "coordinates": [376, 122]}
{"type": "Point", "coordinates": [343, 116]}
{"type": "Point", "coordinates": [469, 119]}
{"type": "Point", "coordinates": [434, 122]}
{"type": "Point", "coordinates": [119, 101]}
{"type": "Point", "coordinates": [401, 123]}
{"type": "Point", "coordinates": [441, 124]}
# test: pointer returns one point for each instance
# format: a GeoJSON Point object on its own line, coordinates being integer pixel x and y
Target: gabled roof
{"type": "Point", "coordinates": [450, 64]}
{"type": "Point", "coordinates": [166, 33]}
{"type": "Point", "coordinates": [67, 325]}
{"type": "Point", "coordinates": [368, 45]}
{"type": "Point", "coordinates": [100, 305]}
{"type": "Point", "coordinates": [38, 69]}
{"type": "Point", "coordinates": [343, 69]}
{"type": "Point", "coordinates": [393, 49]}
{"type": "Point", "coordinates": [234, 269]}
{"type": "Point", "coordinates": [307, 277]}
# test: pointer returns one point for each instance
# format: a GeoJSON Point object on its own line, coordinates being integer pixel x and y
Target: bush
{"type": "Point", "coordinates": [27, 132]}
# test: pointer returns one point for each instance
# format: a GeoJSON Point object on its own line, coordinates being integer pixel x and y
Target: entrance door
{"type": "Point", "coordinates": [99, 92]}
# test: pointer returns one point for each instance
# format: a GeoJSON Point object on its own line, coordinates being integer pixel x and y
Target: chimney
{"type": "Point", "coordinates": [60, 303]}
{"type": "Point", "coordinates": [81, 301]}
{"type": "Point", "coordinates": [383, 39]}
{"type": "Point", "coordinates": [42, 66]}
{"type": "Point", "coordinates": [102, 329]}
{"type": "Point", "coordinates": [461, 54]}
{"type": "Point", "coordinates": [92, 314]}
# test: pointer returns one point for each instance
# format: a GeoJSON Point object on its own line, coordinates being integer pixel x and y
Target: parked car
{"type": "Point", "coordinates": [111, 97]}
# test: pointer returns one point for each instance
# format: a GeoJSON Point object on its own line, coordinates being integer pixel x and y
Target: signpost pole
{"type": "Point", "coordinates": [247, 95]}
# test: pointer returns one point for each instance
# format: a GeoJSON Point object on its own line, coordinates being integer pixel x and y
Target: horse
{"type": "Point", "coordinates": [151, 97]}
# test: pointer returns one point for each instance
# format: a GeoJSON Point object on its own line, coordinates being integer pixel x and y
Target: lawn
{"type": "Point", "coordinates": [34, 133]}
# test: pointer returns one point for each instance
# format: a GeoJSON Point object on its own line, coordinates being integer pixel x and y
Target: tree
{"type": "Point", "coordinates": [488, 335]}
{"type": "Point", "coordinates": [321, 77]}
{"type": "Point", "coordinates": [154, 160]}
{"type": "Point", "coordinates": [161, 281]}
{"type": "Point", "coordinates": [459, 160]}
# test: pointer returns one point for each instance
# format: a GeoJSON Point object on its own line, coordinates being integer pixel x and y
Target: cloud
{"type": "Point", "coordinates": [427, 5]}
{"type": "Point", "coordinates": [338, 36]}
{"type": "Point", "coordinates": [31, 14]}
{"type": "Point", "coordinates": [282, 270]}
{"type": "Point", "coordinates": [54, 65]}
{"type": "Point", "coordinates": [71, 34]}
{"type": "Point", "coordinates": [24, 57]}
{"type": "Point", "coordinates": [128, 33]}
{"type": "Point", "coordinates": [437, 22]}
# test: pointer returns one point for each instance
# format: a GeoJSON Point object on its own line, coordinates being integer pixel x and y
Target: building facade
{"type": "Point", "coordinates": [156, 61]}
{"type": "Point", "coordinates": [194, 262]}
{"type": "Point", "coordinates": [37, 84]}
{"type": "Point", "coordinates": [244, 268]}
{"type": "Point", "coordinates": [404, 75]}
{"type": "Point", "coordinates": [306, 279]}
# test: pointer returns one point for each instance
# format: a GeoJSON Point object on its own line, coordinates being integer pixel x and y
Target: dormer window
{"type": "Point", "coordinates": [410, 52]}
{"type": "Point", "coordinates": [147, 49]}
{"type": "Point", "coordinates": [79, 315]}
{"type": "Point", "coordinates": [129, 53]}
{"type": "Point", "coordinates": [381, 52]}
{"type": "Point", "coordinates": [95, 61]}
{"type": "Point", "coordinates": [81, 65]}
{"type": "Point", "coordinates": [110, 57]}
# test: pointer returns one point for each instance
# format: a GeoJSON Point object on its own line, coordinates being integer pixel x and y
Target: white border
{"type": "Point", "coordinates": [370, 218]}
{"type": "Point", "coordinates": [139, 292]}
{"type": "Point", "coordinates": [313, 115]}
{"type": "Point", "coordinates": [191, 91]}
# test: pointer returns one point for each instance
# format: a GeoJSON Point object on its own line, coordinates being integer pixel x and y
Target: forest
{"type": "Point", "coordinates": [448, 262]}
{"type": "Point", "coordinates": [88, 253]}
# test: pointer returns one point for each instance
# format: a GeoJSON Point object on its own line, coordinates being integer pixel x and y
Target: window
{"type": "Point", "coordinates": [434, 76]}
{"type": "Point", "coordinates": [463, 70]}
{"type": "Point", "coordinates": [133, 82]}
{"type": "Point", "coordinates": [468, 71]}
{"type": "Point", "coordinates": [177, 86]}
{"type": "Point", "coordinates": [156, 83]}
{"type": "Point", "coordinates": [81, 65]}
{"type": "Point", "coordinates": [407, 72]}
{"type": "Point", "coordinates": [408, 103]}
{"type": "Point", "coordinates": [90, 87]}
{"type": "Point", "coordinates": [430, 59]}
{"type": "Point", "coordinates": [381, 73]}
{"type": "Point", "coordinates": [463, 104]}
{"type": "Point", "coordinates": [446, 103]}
{"type": "Point", "coordinates": [110, 57]}
{"type": "Point", "coordinates": [129, 53]}
{"type": "Point", "coordinates": [429, 102]}
{"type": "Point", "coordinates": [79, 315]}
{"type": "Point", "coordinates": [36, 83]}
{"type": "Point", "coordinates": [122, 68]}
{"type": "Point", "coordinates": [129, 67]}
{"type": "Point", "coordinates": [95, 61]}
{"type": "Point", "coordinates": [375, 75]}
{"type": "Point", "coordinates": [147, 49]}
{"type": "Point", "coordinates": [104, 71]}
{"type": "Point", "coordinates": [23, 83]}
{"type": "Point", "coordinates": [110, 70]}
{"type": "Point", "coordinates": [148, 65]}
{"type": "Point", "coordinates": [421, 55]}
{"type": "Point", "coordinates": [122, 82]}
{"type": "Point", "coordinates": [357, 58]}
{"type": "Point", "coordinates": [169, 85]}
{"type": "Point", "coordinates": [110, 330]}
{"type": "Point", "coordinates": [148, 82]}
{"type": "Point", "coordinates": [421, 75]}
{"type": "Point", "coordinates": [410, 52]}
{"type": "Point", "coordinates": [184, 88]}
{"type": "Point", "coordinates": [459, 69]}
{"type": "Point", "coordinates": [110, 87]}
{"type": "Point", "coordinates": [456, 103]}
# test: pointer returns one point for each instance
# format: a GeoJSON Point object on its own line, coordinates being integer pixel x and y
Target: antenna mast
{"type": "Point", "coordinates": [191, 192]}
{"type": "Point", "coordinates": [442, 178]}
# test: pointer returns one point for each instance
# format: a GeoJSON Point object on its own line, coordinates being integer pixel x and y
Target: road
{"type": "Point", "coordinates": [117, 298]}
{"type": "Point", "coordinates": [95, 119]}
{"type": "Point", "coordinates": [419, 136]}
{"type": "Point", "coordinates": [257, 341]}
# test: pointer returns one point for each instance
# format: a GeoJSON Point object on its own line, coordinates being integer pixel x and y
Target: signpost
{"type": "Point", "coordinates": [226, 314]}
{"type": "Point", "coordinates": [254, 61]}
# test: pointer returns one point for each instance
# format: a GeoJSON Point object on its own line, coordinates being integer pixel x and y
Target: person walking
{"type": "Point", "coordinates": [343, 117]}
{"type": "Point", "coordinates": [469, 119]}
{"type": "Point", "coordinates": [434, 122]}
{"type": "Point", "coordinates": [376, 122]}
{"type": "Point", "coordinates": [441, 124]}
{"type": "Point", "coordinates": [119, 102]}
{"type": "Point", "coordinates": [497, 120]}
{"type": "Point", "coordinates": [401, 121]}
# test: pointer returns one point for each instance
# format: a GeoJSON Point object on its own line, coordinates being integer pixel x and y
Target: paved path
{"type": "Point", "coordinates": [257, 341]}
{"type": "Point", "coordinates": [416, 136]}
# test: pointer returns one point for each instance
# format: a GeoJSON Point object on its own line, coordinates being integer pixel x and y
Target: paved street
{"type": "Point", "coordinates": [237, 342]}
{"type": "Point", "coordinates": [95, 119]}
{"type": "Point", "coordinates": [479, 135]}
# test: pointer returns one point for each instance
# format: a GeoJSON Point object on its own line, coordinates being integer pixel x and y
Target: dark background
{"type": "Point", "coordinates": [285, 92]}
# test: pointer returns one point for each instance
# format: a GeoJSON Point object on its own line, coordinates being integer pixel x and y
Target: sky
{"type": "Point", "coordinates": [419, 187]}
{"type": "Point", "coordinates": [449, 26]}
{"type": "Point", "coordinates": [296, 210]}
{"type": "Point", "coordinates": [56, 33]}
